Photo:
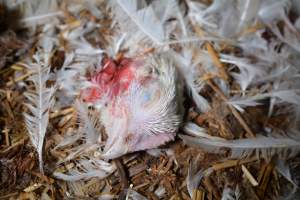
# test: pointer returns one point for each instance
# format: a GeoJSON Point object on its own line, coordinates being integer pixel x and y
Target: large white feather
{"type": "Point", "coordinates": [261, 146]}
{"type": "Point", "coordinates": [39, 105]}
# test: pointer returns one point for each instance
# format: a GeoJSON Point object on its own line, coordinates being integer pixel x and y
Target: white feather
{"type": "Point", "coordinates": [248, 12]}
{"type": "Point", "coordinates": [39, 12]}
{"type": "Point", "coordinates": [69, 139]}
{"type": "Point", "coordinates": [196, 131]}
{"type": "Point", "coordinates": [144, 18]}
{"type": "Point", "coordinates": [193, 179]}
{"type": "Point", "coordinates": [248, 72]}
{"type": "Point", "coordinates": [290, 37]}
{"type": "Point", "coordinates": [39, 105]}
{"type": "Point", "coordinates": [165, 9]}
{"type": "Point", "coordinates": [71, 77]}
{"type": "Point", "coordinates": [80, 31]}
{"type": "Point", "coordinates": [240, 103]}
{"type": "Point", "coordinates": [138, 22]}
{"type": "Point", "coordinates": [187, 72]}
{"type": "Point", "coordinates": [261, 146]}
{"type": "Point", "coordinates": [87, 138]}
{"type": "Point", "coordinates": [288, 96]}
{"type": "Point", "coordinates": [89, 123]}
{"type": "Point", "coordinates": [230, 194]}
{"type": "Point", "coordinates": [133, 195]}
{"type": "Point", "coordinates": [285, 169]}
{"type": "Point", "coordinates": [86, 169]}
{"type": "Point", "coordinates": [273, 10]}
{"type": "Point", "coordinates": [78, 151]}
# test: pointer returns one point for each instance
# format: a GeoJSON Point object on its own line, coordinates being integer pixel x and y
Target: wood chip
{"type": "Point", "coordinates": [233, 110]}
{"type": "Point", "coordinates": [249, 176]}
{"type": "Point", "coordinates": [264, 180]}
{"type": "Point", "coordinates": [62, 112]}
{"type": "Point", "coordinates": [6, 134]}
{"type": "Point", "coordinates": [211, 188]}
{"type": "Point", "coordinates": [198, 195]}
{"type": "Point", "coordinates": [33, 187]}
{"type": "Point", "coordinates": [215, 58]}
{"type": "Point", "coordinates": [20, 78]}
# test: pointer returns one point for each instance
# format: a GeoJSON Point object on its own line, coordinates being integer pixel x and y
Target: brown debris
{"type": "Point", "coordinates": [264, 178]}
{"type": "Point", "coordinates": [211, 188]}
{"type": "Point", "coordinates": [161, 177]}
{"type": "Point", "coordinates": [198, 195]}
{"type": "Point", "coordinates": [233, 110]}
{"type": "Point", "coordinates": [214, 56]}
{"type": "Point", "coordinates": [122, 174]}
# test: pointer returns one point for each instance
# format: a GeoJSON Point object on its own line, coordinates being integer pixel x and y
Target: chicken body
{"type": "Point", "coordinates": [138, 103]}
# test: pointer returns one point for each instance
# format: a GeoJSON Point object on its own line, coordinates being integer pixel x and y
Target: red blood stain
{"type": "Point", "coordinates": [113, 79]}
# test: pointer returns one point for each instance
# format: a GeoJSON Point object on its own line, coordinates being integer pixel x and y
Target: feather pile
{"type": "Point", "coordinates": [105, 79]}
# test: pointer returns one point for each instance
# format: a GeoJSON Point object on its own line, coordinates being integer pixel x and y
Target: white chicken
{"type": "Point", "coordinates": [138, 103]}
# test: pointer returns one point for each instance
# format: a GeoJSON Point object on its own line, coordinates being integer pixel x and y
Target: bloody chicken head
{"type": "Point", "coordinates": [140, 106]}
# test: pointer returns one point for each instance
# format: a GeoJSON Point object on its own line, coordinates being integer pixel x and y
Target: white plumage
{"type": "Point", "coordinates": [144, 115]}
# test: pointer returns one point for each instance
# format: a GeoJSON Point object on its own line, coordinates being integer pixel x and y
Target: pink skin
{"type": "Point", "coordinates": [151, 141]}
